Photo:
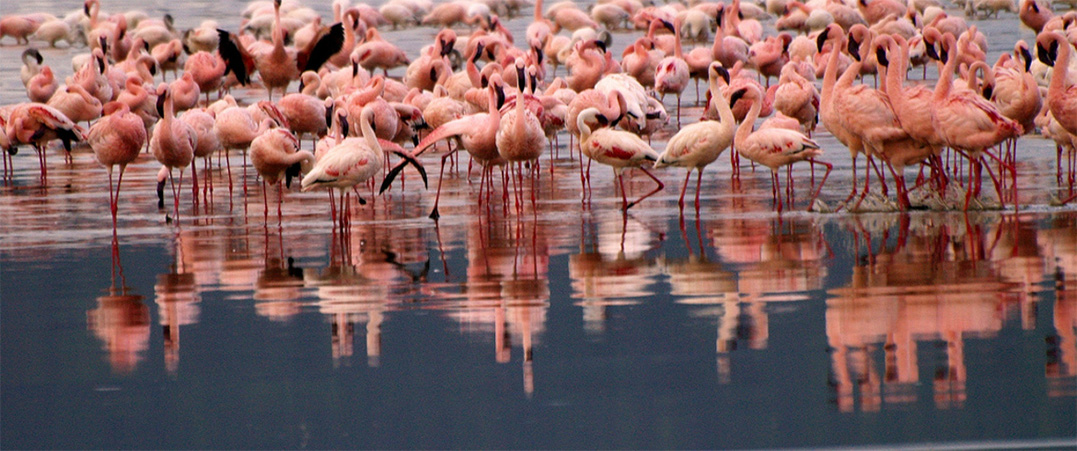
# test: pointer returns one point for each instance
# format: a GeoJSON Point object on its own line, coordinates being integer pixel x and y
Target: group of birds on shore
{"type": "Point", "coordinates": [498, 96]}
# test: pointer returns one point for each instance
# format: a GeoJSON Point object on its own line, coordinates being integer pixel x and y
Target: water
{"type": "Point", "coordinates": [569, 326]}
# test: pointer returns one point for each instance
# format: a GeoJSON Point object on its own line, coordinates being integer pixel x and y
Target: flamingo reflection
{"type": "Point", "coordinates": [122, 322]}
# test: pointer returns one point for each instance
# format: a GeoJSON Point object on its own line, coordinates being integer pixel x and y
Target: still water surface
{"type": "Point", "coordinates": [570, 326]}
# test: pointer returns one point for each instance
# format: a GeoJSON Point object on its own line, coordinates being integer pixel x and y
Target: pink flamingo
{"type": "Point", "coordinates": [305, 113]}
{"type": "Point", "coordinates": [968, 122]}
{"type": "Point", "coordinates": [774, 147]}
{"type": "Point", "coordinates": [672, 74]}
{"type": "Point", "coordinates": [203, 124]}
{"type": "Point", "coordinates": [701, 143]}
{"type": "Point", "coordinates": [520, 137]}
{"type": "Point", "coordinates": [172, 143]}
{"type": "Point", "coordinates": [116, 139]}
{"type": "Point", "coordinates": [185, 92]}
{"type": "Point", "coordinates": [618, 149]}
{"type": "Point", "coordinates": [273, 154]}
{"type": "Point", "coordinates": [37, 124]}
{"type": "Point", "coordinates": [208, 71]}
{"type": "Point", "coordinates": [281, 65]}
{"type": "Point", "coordinates": [41, 86]}
{"type": "Point", "coordinates": [797, 97]}
{"type": "Point", "coordinates": [1061, 99]}
{"type": "Point", "coordinates": [77, 104]}
{"type": "Point", "coordinates": [477, 134]}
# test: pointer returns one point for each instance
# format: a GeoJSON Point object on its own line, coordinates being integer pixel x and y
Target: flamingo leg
{"type": "Point", "coordinates": [822, 182]}
{"type": "Point", "coordinates": [434, 214]}
{"type": "Point", "coordinates": [684, 189]}
{"type": "Point", "coordinates": [655, 190]}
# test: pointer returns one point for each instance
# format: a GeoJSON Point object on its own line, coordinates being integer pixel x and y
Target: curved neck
{"type": "Point", "coordinates": [585, 130]}
{"type": "Point", "coordinates": [830, 75]}
{"type": "Point", "coordinates": [366, 118]}
{"type": "Point", "coordinates": [1061, 68]}
{"type": "Point", "coordinates": [946, 75]}
{"type": "Point", "coordinates": [746, 126]}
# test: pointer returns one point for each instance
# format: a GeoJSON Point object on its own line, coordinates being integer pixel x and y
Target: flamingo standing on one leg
{"type": "Point", "coordinates": [774, 147]}
{"type": "Point", "coordinates": [701, 143]}
{"type": "Point", "coordinates": [116, 139]}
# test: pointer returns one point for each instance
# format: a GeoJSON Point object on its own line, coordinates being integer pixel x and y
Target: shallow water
{"type": "Point", "coordinates": [570, 325]}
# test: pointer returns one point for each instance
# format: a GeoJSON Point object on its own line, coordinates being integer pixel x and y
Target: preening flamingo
{"type": "Point", "coordinates": [274, 153]}
{"type": "Point", "coordinates": [616, 148]}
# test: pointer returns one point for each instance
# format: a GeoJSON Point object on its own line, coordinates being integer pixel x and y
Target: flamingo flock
{"type": "Point", "coordinates": [500, 97]}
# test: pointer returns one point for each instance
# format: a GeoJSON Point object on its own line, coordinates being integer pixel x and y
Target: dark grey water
{"type": "Point", "coordinates": [570, 326]}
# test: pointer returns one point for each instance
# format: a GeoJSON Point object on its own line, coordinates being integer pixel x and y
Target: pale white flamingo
{"type": "Point", "coordinates": [701, 143]}
{"type": "Point", "coordinates": [273, 154]}
{"type": "Point", "coordinates": [774, 147]}
{"type": "Point", "coordinates": [353, 161]}
{"type": "Point", "coordinates": [618, 149]}
{"type": "Point", "coordinates": [672, 73]}
{"type": "Point", "coordinates": [172, 144]}
{"type": "Point", "coordinates": [116, 139]}
{"type": "Point", "coordinates": [32, 63]}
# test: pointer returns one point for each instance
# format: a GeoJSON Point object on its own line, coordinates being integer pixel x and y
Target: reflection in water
{"type": "Point", "coordinates": [177, 299]}
{"type": "Point", "coordinates": [943, 281]}
{"type": "Point", "coordinates": [613, 268]}
{"type": "Point", "coordinates": [122, 322]}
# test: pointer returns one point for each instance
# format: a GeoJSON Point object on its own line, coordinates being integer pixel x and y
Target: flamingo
{"type": "Point", "coordinates": [203, 124]}
{"type": "Point", "coordinates": [774, 147]}
{"type": "Point", "coordinates": [968, 122]}
{"type": "Point", "coordinates": [273, 154]}
{"type": "Point", "coordinates": [797, 97]}
{"type": "Point", "coordinates": [477, 134]}
{"type": "Point", "coordinates": [353, 161]}
{"type": "Point", "coordinates": [207, 70]}
{"type": "Point", "coordinates": [618, 149]}
{"type": "Point", "coordinates": [37, 124]}
{"type": "Point", "coordinates": [672, 74]}
{"type": "Point", "coordinates": [701, 143]}
{"type": "Point", "coordinates": [304, 112]}
{"type": "Point", "coordinates": [520, 137]}
{"type": "Point", "coordinates": [280, 65]}
{"type": "Point", "coordinates": [77, 104]}
{"type": "Point", "coordinates": [41, 86]}
{"type": "Point", "coordinates": [1061, 96]}
{"type": "Point", "coordinates": [116, 139]}
{"type": "Point", "coordinates": [172, 143]}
